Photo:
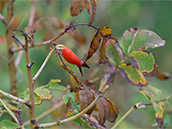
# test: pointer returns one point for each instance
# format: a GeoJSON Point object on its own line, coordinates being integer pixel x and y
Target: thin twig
{"type": "Point", "coordinates": [70, 118]}
{"type": "Point", "coordinates": [56, 106]}
{"type": "Point", "coordinates": [31, 87]}
{"type": "Point", "coordinates": [14, 97]}
{"type": "Point", "coordinates": [43, 65]}
{"type": "Point", "coordinates": [10, 112]}
{"type": "Point", "coordinates": [39, 44]}
{"type": "Point", "coordinates": [136, 106]}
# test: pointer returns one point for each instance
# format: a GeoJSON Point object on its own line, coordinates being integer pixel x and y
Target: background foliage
{"type": "Point", "coordinates": [119, 16]}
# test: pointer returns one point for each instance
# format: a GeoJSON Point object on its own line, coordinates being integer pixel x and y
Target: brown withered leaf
{"type": "Point", "coordinates": [96, 40]}
{"type": "Point", "coordinates": [161, 75]}
{"type": "Point", "coordinates": [77, 6]}
{"type": "Point", "coordinates": [84, 98]}
{"type": "Point", "coordinates": [106, 110]}
{"type": "Point", "coordinates": [102, 52]}
{"type": "Point", "coordinates": [2, 39]}
{"type": "Point", "coordinates": [2, 4]}
{"type": "Point", "coordinates": [92, 10]}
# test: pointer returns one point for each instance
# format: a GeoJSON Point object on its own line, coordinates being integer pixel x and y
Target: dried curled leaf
{"type": "Point", "coordinates": [78, 6]}
{"type": "Point", "coordinates": [102, 52]}
{"type": "Point", "coordinates": [97, 40]}
{"type": "Point", "coordinates": [133, 75]}
{"type": "Point", "coordinates": [143, 60]}
{"type": "Point", "coordinates": [161, 75]}
{"type": "Point", "coordinates": [92, 10]}
{"type": "Point", "coordinates": [106, 110]}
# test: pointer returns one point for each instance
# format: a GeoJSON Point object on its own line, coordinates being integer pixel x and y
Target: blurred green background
{"type": "Point", "coordinates": [119, 16]}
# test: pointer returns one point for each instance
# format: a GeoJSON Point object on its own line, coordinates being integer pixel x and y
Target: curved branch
{"type": "Point", "coordinates": [56, 37]}
{"type": "Point", "coordinates": [43, 65]}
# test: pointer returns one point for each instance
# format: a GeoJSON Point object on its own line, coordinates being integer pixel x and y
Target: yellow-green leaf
{"type": "Point", "coordinates": [133, 75]}
{"type": "Point", "coordinates": [43, 93]}
{"type": "Point", "coordinates": [143, 60]}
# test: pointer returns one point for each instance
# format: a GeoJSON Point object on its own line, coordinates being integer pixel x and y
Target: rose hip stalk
{"type": "Point", "coordinates": [70, 57]}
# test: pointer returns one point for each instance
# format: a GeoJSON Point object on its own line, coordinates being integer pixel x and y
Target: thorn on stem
{"type": "Point", "coordinates": [33, 121]}
{"type": "Point", "coordinates": [30, 65]}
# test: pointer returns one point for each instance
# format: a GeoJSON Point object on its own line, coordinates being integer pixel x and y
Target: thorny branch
{"type": "Point", "coordinates": [31, 87]}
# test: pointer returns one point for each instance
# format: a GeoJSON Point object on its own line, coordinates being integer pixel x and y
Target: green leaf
{"type": "Point", "coordinates": [135, 38]}
{"type": "Point", "coordinates": [7, 124]}
{"type": "Point", "coordinates": [114, 51]}
{"type": "Point", "coordinates": [38, 100]}
{"type": "Point", "coordinates": [53, 84]}
{"type": "Point", "coordinates": [133, 75]}
{"type": "Point", "coordinates": [39, 95]}
{"type": "Point", "coordinates": [43, 93]}
{"type": "Point", "coordinates": [143, 60]}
